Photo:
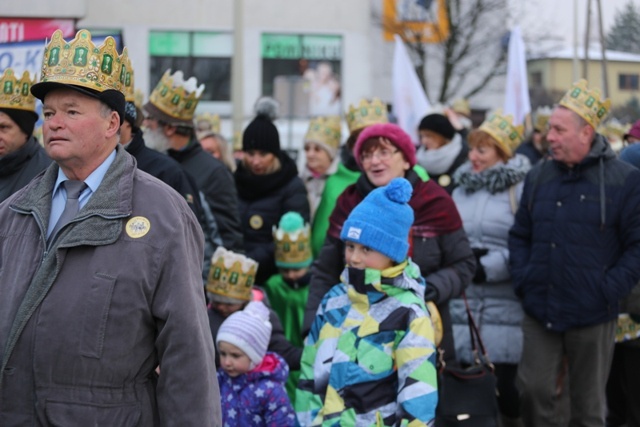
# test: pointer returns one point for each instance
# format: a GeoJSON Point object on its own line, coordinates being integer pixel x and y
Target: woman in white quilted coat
{"type": "Point", "coordinates": [487, 195]}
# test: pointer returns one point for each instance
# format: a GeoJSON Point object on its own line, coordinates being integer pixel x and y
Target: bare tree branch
{"type": "Point", "coordinates": [471, 54]}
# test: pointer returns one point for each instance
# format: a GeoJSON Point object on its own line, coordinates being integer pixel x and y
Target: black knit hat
{"type": "Point", "coordinates": [133, 115]}
{"type": "Point", "coordinates": [439, 124]}
{"type": "Point", "coordinates": [25, 120]}
{"type": "Point", "coordinates": [261, 134]}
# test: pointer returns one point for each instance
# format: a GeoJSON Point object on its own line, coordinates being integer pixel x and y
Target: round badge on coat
{"type": "Point", "coordinates": [256, 222]}
{"type": "Point", "coordinates": [444, 180]}
{"type": "Point", "coordinates": [137, 227]}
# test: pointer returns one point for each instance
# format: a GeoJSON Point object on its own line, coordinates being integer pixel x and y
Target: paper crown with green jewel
{"type": "Point", "coordinates": [501, 128]}
{"type": "Point", "coordinates": [366, 113]}
{"type": "Point", "coordinates": [231, 276]}
{"type": "Point", "coordinates": [16, 92]}
{"type": "Point", "coordinates": [292, 238]}
{"type": "Point", "coordinates": [587, 103]}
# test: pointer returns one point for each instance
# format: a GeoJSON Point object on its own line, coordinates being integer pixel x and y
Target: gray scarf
{"type": "Point", "coordinates": [497, 178]}
{"type": "Point", "coordinates": [439, 160]}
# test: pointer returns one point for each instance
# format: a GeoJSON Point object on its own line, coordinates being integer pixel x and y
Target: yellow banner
{"type": "Point", "coordinates": [413, 23]}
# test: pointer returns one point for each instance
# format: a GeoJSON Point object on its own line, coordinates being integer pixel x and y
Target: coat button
{"type": "Point", "coordinates": [559, 203]}
{"type": "Point", "coordinates": [553, 245]}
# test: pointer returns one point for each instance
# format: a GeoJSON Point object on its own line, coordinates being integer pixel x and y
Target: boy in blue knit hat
{"type": "Point", "coordinates": [369, 358]}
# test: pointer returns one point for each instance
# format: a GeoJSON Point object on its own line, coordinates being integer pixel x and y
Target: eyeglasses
{"type": "Point", "coordinates": [383, 155]}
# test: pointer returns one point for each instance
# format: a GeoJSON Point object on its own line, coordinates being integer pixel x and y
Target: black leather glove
{"type": "Point", "coordinates": [431, 293]}
{"type": "Point", "coordinates": [480, 276]}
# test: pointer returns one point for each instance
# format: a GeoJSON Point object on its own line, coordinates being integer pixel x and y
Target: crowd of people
{"type": "Point", "coordinates": [149, 276]}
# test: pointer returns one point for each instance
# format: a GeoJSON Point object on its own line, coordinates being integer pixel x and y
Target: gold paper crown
{"type": "Point", "coordinates": [613, 130]}
{"type": "Point", "coordinates": [231, 275]}
{"type": "Point", "coordinates": [81, 63]}
{"type": "Point", "coordinates": [176, 97]}
{"type": "Point", "coordinates": [542, 115]}
{"type": "Point", "coordinates": [138, 98]}
{"type": "Point", "coordinates": [501, 128]}
{"type": "Point", "coordinates": [366, 113]}
{"type": "Point", "coordinates": [586, 103]}
{"type": "Point", "coordinates": [208, 122]}
{"type": "Point", "coordinates": [236, 141]}
{"type": "Point", "coordinates": [292, 238]}
{"type": "Point", "coordinates": [126, 76]}
{"type": "Point", "coordinates": [461, 106]}
{"type": "Point", "coordinates": [16, 93]}
{"type": "Point", "coordinates": [325, 131]}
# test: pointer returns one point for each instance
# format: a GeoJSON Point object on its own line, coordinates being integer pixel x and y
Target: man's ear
{"type": "Point", "coordinates": [169, 130]}
{"type": "Point", "coordinates": [588, 133]}
{"type": "Point", "coordinates": [114, 124]}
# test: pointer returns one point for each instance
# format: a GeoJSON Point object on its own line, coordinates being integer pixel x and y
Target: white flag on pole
{"type": "Point", "coordinates": [410, 103]}
{"type": "Point", "coordinates": [516, 101]}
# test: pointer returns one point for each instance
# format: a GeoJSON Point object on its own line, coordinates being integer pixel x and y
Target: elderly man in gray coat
{"type": "Point", "coordinates": [99, 271]}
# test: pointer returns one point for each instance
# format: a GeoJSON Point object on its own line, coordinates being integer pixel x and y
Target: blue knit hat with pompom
{"type": "Point", "coordinates": [382, 221]}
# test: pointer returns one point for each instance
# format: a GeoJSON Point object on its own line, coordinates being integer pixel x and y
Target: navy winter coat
{"type": "Point", "coordinates": [575, 244]}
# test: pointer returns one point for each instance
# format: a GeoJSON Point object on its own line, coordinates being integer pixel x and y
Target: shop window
{"type": "Point", "coordinates": [204, 55]}
{"type": "Point", "coordinates": [303, 73]}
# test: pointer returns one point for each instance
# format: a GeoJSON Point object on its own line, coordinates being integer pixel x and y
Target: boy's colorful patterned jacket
{"type": "Point", "coordinates": [369, 359]}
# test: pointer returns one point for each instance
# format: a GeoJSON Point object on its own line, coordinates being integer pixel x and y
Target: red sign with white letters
{"type": "Point", "coordinates": [14, 30]}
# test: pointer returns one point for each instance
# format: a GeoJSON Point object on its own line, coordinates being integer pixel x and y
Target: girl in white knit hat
{"type": "Point", "coordinates": [251, 379]}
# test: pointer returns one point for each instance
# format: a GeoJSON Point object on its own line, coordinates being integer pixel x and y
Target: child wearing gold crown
{"type": "Point", "coordinates": [289, 289]}
{"type": "Point", "coordinates": [370, 356]}
{"type": "Point", "coordinates": [230, 287]}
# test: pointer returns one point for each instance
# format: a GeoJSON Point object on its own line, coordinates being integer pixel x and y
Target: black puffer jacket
{"type": "Point", "coordinates": [215, 181]}
{"type": "Point", "coordinates": [263, 199]}
{"type": "Point", "coordinates": [165, 169]}
{"type": "Point", "coordinates": [19, 167]}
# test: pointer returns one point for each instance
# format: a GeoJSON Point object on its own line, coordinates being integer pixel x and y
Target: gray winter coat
{"type": "Point", "coordinates": [485, 203]}
{"type": "Point", "coordinates": [85, 323]}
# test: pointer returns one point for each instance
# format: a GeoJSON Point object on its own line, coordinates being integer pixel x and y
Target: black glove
{"type": "Point", "coordinates": [481, 275]}
{"type": "Point", "coordinates": [431, 293]}
{"type": "Point", "coordinates": [635, 317]}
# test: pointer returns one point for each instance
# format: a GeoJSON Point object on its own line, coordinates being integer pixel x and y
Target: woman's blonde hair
{"type": "Point", "coordinates": [480, 138]}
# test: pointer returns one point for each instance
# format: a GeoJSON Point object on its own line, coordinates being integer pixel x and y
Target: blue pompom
{"type": "Point", "coordinates": [399, 190]}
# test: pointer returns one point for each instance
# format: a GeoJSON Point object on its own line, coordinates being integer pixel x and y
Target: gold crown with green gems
{"type": "Point", "coordinates": [16, 93]}
{"type": "Point", "coordinates": [366, 113]}
{"type": "Point", "coordinates": [176, 97]}
{"type": "Point", "coordinates": [126, 77]}
{"type": "Point", "coordinates": [231, 275]}
{"type": "Point", "coordinates": [208, 122]}
{"type": "Point", "coordinates": [138, 98]}
{"type": "Point", "coordinates": [82, 63]}
{"type": "Point", "coordinates": [325, 130]}
{"type": "Point", "coordinates": [542, 116]}
{"type": "Point", "coordinates": [586, 103]}
{"type": "Point", "coordinates": [292, 238]}
{"type": "Point", "coordinates": [502, 129]}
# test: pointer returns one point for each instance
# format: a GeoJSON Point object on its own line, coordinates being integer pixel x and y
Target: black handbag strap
{"type": "Point", "coordinates": [480, 355]}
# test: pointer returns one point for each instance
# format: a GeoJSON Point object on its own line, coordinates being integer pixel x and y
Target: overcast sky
{"type": "Point", "coordinates": [556, 17]}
